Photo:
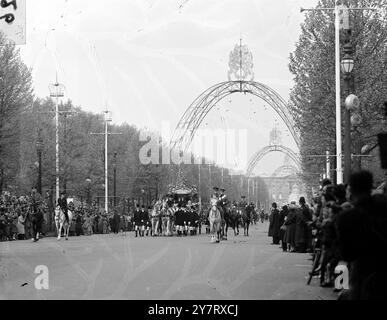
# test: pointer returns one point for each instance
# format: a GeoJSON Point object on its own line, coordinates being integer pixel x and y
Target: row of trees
{"type": "Point", "coordinates": [82, 156]}
{"type": "Point", "coordinates": [313, 96]}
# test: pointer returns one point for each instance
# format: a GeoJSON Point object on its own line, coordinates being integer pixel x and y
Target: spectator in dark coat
{"type": "Point", "coordinates": [283, 214]}
{"type": "Point", "coordinates": [290, 225]}
{"type": "Point", "coordinates": [78, 225]}
{"type": "Point", "coordinates": [274, 227]}
{"type": "Point", "coordinates": [362, 233]}
{"type": "Point", "coordinates": [116, 222]}
{"type": "Point", "coordinates": [303, 217]}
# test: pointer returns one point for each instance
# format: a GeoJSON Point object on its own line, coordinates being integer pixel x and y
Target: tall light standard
{"type": "Point", "coordinates": [347, 65]}
{"type": "Point", "coordinates": [341, 19]}
{"type": "Point", "coordinates": [107, 119]}
{"type": "Point", "coordinates": [88, 200]}
{"type": "Point", "coordinates": [200, 183]}
{"type": "Point", "coordinates": [210, 173]}
{"type": "Point", "coordinates": [57, 91]}
{"type": "Point", "coordinates": [115, 179]}
{"type": "Point", "coordinates": [39, 150]}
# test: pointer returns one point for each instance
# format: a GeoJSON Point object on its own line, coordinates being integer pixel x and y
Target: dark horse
{"type": "Point", "coordinates": [224, 217]}
{"type": "Point", "coordinates": [232, 219]}
{"type": "Point", "coordinates": [246, 219]}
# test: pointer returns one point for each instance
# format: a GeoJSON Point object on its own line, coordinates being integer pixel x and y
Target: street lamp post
{"type": "Point", "coordinates": [115, 179]}
{"type": "Point", "coordinates": [210, 173]}
{"type": "Point", "coordinates": [39, 149]}
{"type": "Point", "coordinates": [107, 119]}
{"type": "Point", "coordinates": [88, 200]}
{"type": "Point", "coordinates": [347, 65]}
{"type": "Point", "coordinates": [200, 184]}
{"type": "Point", "coordinates": [341, 11]}
{"type": "Point", "coordinates": [56, 91]}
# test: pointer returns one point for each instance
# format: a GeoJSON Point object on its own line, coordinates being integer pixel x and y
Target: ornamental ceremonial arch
{"type": "Point", "coordinates": [241, 80]}
{"type": "Point", "coordinates": [269, 149]}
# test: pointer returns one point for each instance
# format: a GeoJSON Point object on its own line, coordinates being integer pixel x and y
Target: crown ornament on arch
{"type": "Point", "coordinates": [241, 64]}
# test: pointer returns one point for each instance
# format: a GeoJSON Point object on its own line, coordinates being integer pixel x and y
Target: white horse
{"type": "Point", "coordinates": [215, 220]}
{"type": "Point", "coordinates": [167, 220]}
{"type": "Point", "coordinates": [155, 218]}
{"type": "Point", "coordinates": [60, 222]}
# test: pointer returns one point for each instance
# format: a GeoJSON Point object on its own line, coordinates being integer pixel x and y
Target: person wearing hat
{"type": "Point", "coordinates": [243, 203]}
{"type": "Point", "coordinates": [179, 222]}
{"type": "Point", "coordinates": [62, 203]}
{"type": "Point", "coordinates": [223, 202]}
{"type": "Point", "coordinates": [148, 223]}
{"type": "Point", "coordinates": [36, 213]}
{"type": "Point", "coordinates": [275, 224]}
{"type": "Point", "coordinates": [290, 223]}
{"type": "Point", "coordinates": [36, 199]}
{"type": "Point", "coordinates": [143, 218]}
{"type": "Point", "coordinates": [137, 220]}
{"type": "Point", "coordinates": [303, 233]}
{"type": "Point", "coordinates": [223, 198]}
{"type": "Point", "coordinates": [215, 195]}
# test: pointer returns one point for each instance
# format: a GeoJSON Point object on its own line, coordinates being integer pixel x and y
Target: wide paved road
{"type": "Point", "coordinates": [124, 267]}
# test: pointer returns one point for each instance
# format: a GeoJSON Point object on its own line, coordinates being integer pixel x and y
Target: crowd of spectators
{"type": "Point", "coordinates": [16, 218]}
{"type": "Point", "coordinates": [89, 221]}
{"type": "Point", "coordinates": [16, 215]}
{"type": "Point", "coordinates": [344, 225]}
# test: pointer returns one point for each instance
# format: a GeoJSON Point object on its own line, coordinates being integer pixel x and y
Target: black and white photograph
{"type": "Point", "coordinates": [211, 152]}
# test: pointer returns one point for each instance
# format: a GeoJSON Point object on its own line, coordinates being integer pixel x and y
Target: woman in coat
{"type": "Point", "coordinates": [283, 215]}
{"type": "Point", "coordinates": [290, 231]}
{"type": "Point", "coordinates": [21, 233]}
{"type": "Point", "coordinates": [274, 227]}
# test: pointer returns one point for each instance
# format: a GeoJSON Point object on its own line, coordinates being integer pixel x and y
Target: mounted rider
{"type": "Point", "coordinates": [62, 203]}
{"type": "Point", "coordinates": [36, 200]}
{"type": "Point", "coordinates": [36, 212]}
{"type": "Point", "coordinates": [223, 200]}
{"type": "Point", "coordinates": [215, 200]}
{"type": "Point", "coordinates": [243, 203]}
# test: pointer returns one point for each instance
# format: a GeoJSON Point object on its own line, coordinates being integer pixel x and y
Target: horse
{"type": "Point", "coordinates": [224, 215]}
{"type": "Point", "coordinates": [37, 221]}
{"type": "Point", "coordinates": [215, 220]}
{"type": "Point", "coordinates": [167, 221]}
{"type": "Point", "coordinates": [60, 222]}
{"type": "Point", "coordinates": [232, 220]}
{"type": "Point", "coordinates": [246, 219]}
{"type": "Point", "coordinates": [155, 217]}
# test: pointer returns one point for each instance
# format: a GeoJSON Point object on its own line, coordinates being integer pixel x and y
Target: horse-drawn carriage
{"type": "Point", "coordinates": [187, 213]}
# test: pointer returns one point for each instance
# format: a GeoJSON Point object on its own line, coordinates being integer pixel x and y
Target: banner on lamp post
{"type": "Point", "coordinates": [13, 20]}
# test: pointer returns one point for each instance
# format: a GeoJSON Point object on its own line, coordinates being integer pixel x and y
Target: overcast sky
{"type": "Point", "coordinates": [149, 59]}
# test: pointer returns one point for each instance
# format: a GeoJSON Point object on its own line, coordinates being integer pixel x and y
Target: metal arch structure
{"type": "Point", "coordinates": [199, 109]}
{"type": "Point", "coordinates": [269, 149]}
{"type": "Point", "coordinates": [292, 170]}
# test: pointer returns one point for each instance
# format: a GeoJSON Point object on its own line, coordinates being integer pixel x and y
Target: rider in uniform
{"type": "Point", "coordinates": [215, 200]}
{"type": "Point", "coordinates": [215, 195]}
{"type": "Point", "coordinates": [223, 200]}
{"type": "Point", "coordinates": [243, 203]}
{"type": "Point", "coordinates": [37, 215]}
{"type": "Point", "coordinates": [62, 203]}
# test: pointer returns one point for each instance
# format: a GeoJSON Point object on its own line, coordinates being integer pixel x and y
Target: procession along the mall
{"type": "Point", "coordinates": [176, 214]}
